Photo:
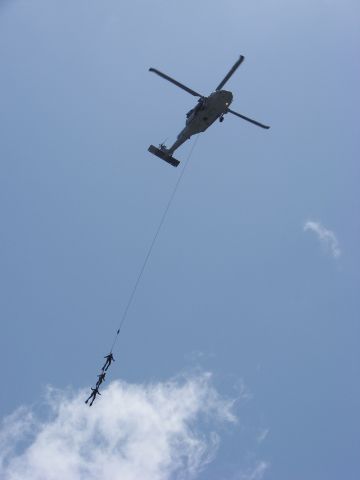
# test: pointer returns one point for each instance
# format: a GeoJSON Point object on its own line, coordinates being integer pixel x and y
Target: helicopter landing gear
{"type": "Point", "coordinates": [221, 119]}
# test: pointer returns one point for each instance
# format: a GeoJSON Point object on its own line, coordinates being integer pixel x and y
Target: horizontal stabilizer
{"type": "Point", "coordinates": [163, 155]}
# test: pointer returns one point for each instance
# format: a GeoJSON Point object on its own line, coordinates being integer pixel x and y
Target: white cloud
{"type": "Point", "coordinates": [149, 432]}
{"type": "Point", "coordinates": [326, 237]}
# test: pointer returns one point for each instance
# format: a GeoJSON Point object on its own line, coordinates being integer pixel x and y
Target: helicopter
{"type": "Point", "coordinates": [204, 114]}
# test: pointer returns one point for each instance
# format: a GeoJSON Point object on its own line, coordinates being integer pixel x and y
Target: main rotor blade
{"type": "Point", "coordinates": [248, 119]}
{"type": "Point", "coordinates": [231, 72]}
{"type": "Point", "coordinates": [175, 82]}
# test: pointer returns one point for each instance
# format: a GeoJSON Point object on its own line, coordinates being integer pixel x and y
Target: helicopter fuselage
{"type": "Point", "coordinates": [203, 115]}
{"type": "Point", "coordinates": [208, 110]}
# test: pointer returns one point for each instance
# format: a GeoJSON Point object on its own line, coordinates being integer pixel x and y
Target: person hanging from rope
{"type": "Point", "coordinates": [95, 391]}
{"type": "Point", "coordinates": [109, 358]}
{"type": "Point", "coordinates": [101, 378]}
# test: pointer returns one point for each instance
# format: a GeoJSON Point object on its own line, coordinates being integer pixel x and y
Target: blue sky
{"type": "Point", "coordinates": [236, 285]}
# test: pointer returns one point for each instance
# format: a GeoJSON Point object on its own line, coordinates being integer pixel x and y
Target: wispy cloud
{"type": "Point", "coordinates": [255, 473]}
{"type": "Point", "coordinates": [326, 237]}
{"type": "Point", "coordinates": [262, 435]}
{"type": "Point", "coordinates": [150, 432]}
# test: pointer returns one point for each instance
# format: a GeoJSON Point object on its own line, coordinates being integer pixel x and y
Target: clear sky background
{"type": "Point", "coordinates": [255, 275]}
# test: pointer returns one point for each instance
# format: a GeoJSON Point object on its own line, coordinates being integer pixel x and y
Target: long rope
{"type": "Point", "coordinates": [123, 318]}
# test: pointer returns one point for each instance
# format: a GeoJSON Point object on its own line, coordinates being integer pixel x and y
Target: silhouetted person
{"type": "Point", "coordinates": [109, 359]}
{"type": "Point", "coordinates": [101, 378]}
{"type": "Point", "coordinates": [95, 391]}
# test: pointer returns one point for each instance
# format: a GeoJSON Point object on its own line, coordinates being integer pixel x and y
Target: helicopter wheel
{"type": "Point", "coordinates": [221, 119]}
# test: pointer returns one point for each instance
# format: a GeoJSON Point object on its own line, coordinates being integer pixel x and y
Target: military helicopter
{"type": "Point", "coordinates": [204, 114]}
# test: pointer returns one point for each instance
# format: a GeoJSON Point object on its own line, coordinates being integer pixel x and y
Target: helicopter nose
{"type": "Point", "coordinates": [228, 97]}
